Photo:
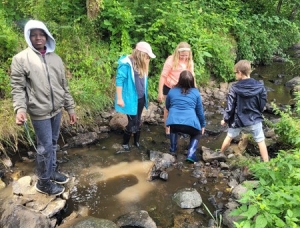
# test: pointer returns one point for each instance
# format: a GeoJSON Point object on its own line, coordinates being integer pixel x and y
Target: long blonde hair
{"type": "Point", "coordinates": [182, 45]}
{"type": "Point", "coordinates": [140, 63]}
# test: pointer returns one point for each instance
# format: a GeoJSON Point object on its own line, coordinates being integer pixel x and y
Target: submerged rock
{"type": "Point", "coordinates": [136, 219]}
{"type": "Point", "coordinates": [89, 222]}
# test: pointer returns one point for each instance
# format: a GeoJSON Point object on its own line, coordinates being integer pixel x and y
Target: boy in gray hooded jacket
{"type": "Point", "coordinates": [39, 88]}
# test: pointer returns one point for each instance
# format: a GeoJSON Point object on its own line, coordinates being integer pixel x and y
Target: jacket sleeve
{"type": "Point", "coordinates": [69, 103]}
{"type": "Point", "coordinates": [263, 99]}
{"type": "Point", "coordinates": [121, 75]}
{"type": "Point", "coordinates": [18, 85]}
{"type": "Point", "coordinates": [230, 108]}
{"type": "Point", "coordinates": [200, 111]}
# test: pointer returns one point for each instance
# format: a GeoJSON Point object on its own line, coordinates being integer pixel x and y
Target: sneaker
{"type": "Point", "coordinates": [59, 178]}
{"type": "Point", "coordinates": [49, 188]}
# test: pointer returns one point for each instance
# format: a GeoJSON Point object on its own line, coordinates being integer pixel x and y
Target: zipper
{"type": "Point", "coordinates": [51, 90]}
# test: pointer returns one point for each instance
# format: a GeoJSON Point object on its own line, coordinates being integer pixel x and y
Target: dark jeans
{"type": "Point", "coordinates": [47, 133]}
{"type": "Point", "coordinates": [134, 121]}
{"type": "Point", "coordinates": [193, 132]}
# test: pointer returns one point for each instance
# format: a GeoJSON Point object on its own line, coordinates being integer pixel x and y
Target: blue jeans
{"type": "Point", "coordinates": [47, 133]}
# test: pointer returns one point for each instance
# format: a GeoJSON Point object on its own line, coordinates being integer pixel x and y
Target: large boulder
{"type": "Point", "coordinates": [20, 216]}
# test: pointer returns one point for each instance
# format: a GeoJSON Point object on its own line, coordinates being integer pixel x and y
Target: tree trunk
{"type": "Point", "coordinates": [294, 12]}
{"type": "Point", "coordinates": [279, 6]}
{"type": "Point", "coordinates": [93, 8]}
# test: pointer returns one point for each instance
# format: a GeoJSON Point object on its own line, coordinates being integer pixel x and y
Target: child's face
{"type": "Point", "coordinates": [184, 55]}
{"type": "Point", "coordinates": [238, 75]}
{"type": "Point", "coordinates": [38, 39]}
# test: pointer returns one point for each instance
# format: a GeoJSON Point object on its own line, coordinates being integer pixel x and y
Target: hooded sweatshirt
{"type": "Point", "coordinates": [39, 85]}
{"type": "Point", "coordinates": [245, 103]}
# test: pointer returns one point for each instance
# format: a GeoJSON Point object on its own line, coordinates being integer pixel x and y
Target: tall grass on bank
{"type": "Point", "coordinates": [10, 133]}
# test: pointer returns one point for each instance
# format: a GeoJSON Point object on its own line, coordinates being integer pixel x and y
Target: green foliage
{"type": "Point", "coordinates": [9, 42]}
{"type": "Point", "coordinates": [288, 128]}
{"type": "Point", "coordinates": [88, 67]}
{"type": "Point", "coordinates": [4, 81]}
{"type": "Point", "coordinates": [276, 200]}
{"type": "Point", "coordinates": [259, 37]}
{"type": "Point", "coordinates": [115, 23]}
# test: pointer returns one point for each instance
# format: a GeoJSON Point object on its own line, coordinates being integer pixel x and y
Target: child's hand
{"type": "Point", "coordinates": [223, 123]}
{"type": "Point", "coordinates": [120, 102]}
{"type": "Point", "coordinates": [20, 118]}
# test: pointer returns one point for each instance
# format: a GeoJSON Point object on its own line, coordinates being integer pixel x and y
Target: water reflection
{"type": "Point", "coordinates": [275, 77]}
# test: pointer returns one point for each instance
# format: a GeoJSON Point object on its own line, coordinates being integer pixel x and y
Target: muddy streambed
{"type": "Point", "coordinates": [109, 184]}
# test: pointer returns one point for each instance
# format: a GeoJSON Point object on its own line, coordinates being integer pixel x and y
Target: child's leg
{"type": "Point", "coordinates": [263, 151]}
{"type": "Point", "coordinates": [225, 144]}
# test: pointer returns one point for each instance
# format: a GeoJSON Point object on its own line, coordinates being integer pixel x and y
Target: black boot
{"type": "Point", "coordinates": [191, 156]}
{"type": "Point", "coordinates": [126, 138]}
{"type": "Point", "coordinates": [136, 137]}
{"type": "Point", "coordinates": [173, 142]}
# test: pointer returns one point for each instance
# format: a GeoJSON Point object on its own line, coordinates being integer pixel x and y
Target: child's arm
{"type": "Point", "coordinates": [263, 99]}
{"type": "Point", "coordinates": [230, 108]}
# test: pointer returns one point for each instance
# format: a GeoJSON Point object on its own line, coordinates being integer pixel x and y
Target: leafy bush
{"type": "Point", "coordinates": [288, 128]}
{"type": "Point", "coordinates": [9, 43]}
{"type": "Point", "coordinates": [89, 68]}
{"type": "Point", "coordinates": [260, 37]}
{"type": "Point", "coordinates": [276, 200]}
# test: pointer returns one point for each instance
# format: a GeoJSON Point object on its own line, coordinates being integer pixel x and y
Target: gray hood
{"type": "Point", "coordinates": [34, 24]}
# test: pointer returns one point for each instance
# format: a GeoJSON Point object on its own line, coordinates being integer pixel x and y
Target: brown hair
{"type": "Point", "coordinates": [186, 81]}
{"type": "Point", "coordinates": [176, 55]}
{"type": "Point", "coordinates": [140, 62]}
{"type": "Point", "coordinates": [244, 66]}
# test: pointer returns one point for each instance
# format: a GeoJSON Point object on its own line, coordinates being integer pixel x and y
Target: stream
{"type": "Point", "coordinates": [109, 184]}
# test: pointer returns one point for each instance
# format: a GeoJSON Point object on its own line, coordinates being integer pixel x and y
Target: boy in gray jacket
{"type": "Point", "coordinates": [39, 88]}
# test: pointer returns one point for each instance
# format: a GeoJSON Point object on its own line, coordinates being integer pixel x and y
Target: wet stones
{"type": "Point", "coordinates": [211, 155]}
{"type": "Point", "coordinates": [187, 198]}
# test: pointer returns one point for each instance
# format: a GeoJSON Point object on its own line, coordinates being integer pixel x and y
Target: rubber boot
{"type": "Point", "coordinates": [173, 142]}
{"type": "Point", "coordinates": [191, 156]}
{"type": "Point", "coordinates": [126, 138]}
{"type": "Point", "coordinates": [136, 138]}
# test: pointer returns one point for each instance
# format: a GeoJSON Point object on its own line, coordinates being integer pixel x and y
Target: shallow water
{"type": "Point", "coordinates": [111, 184]}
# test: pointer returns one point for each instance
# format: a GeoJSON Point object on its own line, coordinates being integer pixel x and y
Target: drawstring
{"type": "Point", "coordinates": [28, 135]}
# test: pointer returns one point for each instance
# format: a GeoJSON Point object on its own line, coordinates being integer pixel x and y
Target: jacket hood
{"type": "Point", "coordinates": [124, 60]}
{"type": "Point", "coordinates": [34, 24]}
{"type": "Point", "coordinates": [248, 87]}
